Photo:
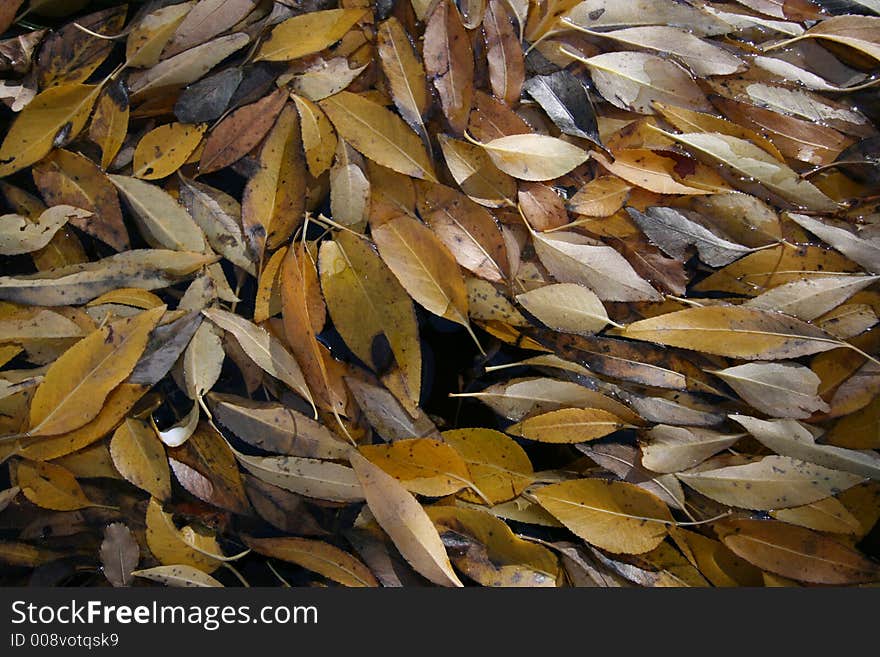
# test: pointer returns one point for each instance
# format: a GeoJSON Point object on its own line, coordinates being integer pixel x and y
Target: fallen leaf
{"type": "Point", "coordinates": [779, 389]}
{"type": "Point", "coordinates": [140, 457]}
{"type": "Point", "coordinates": [773, 482]}
{"type": "Point", "coordinates": [308, 33]}
{"type": "Point", "coordinates": [405, 521]}
{"type": "Point", "coordinates": [120, 554]}
{"type": "Point", "coordinates": [378, 134]}
{"type": "Point", "coordinates": [76, 385]}
{"type": "Point", "coordinates": [796, 552]}
{"type": "Point", "coordinates": [613, 515]}
{"type": "Point", "coordinates": [317, 556]}
{"type": "Point", "coordinates": [178, 576]}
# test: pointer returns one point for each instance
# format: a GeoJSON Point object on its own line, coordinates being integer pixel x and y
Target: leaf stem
{"type": "Point", "coordinates": [237, 574]}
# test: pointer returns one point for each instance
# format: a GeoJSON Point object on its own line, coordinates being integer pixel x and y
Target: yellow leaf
{"type": "Point", "coordinates": [110, 122]}
{"type": "Point", "coordinates": [177, 575]}
{"type": "Point", "coordinates": [827, 515]}
{"type": "Point", "coordinates": [425, 267]}
{"type": "Point", "coordinates": [796, 552]}
{"type": "Point", "coordinates": [493, 555]}
{"type": "Point", "coordinates": [405, 521]}
{"type": "Point", "coordinates": [498, 466]}
{"type": "Point", "coordinates": [568, 425]}
{"type": "Point", "coordinates": [265, 350]}
{"type": "Point", "coordinates": [274, 198]}
{"type": "Point", "coordinates": [317, 556]}
{"type": "Point", "coordinates": [50, 486]}
{"type": "Point", "coordinates": [534, 157]}
{"type": "Point", "coordinates": [613, 515]}
{"type": "Point", "coordinates": [319, 138]}
{"type": "Point", "coordinates": [150, 34]}
{"type": "Point", "coordinates": [186, 67]}
{"type": "Point", "coordinates": [601, 197]}
{"type": "Point", "coordinates": [169, 545]}
{"type": "Point", "coordinates": [319, 479]}
{"type": "Point", "coordinates": [733, 331]}
{"type": "Point", "coordinates": [405, 73]}
{"type": "Point", "coordinates": [76, 385]}
{"type": "Point", "coordinates": [378, 134]}
{"type": "Point", "coordinates": [118, 403]}
{"type": "Point", "coordinates": [646, 169]}
{"type": "Point", "coordinates": [57, 115]}
{"type": "Point", "coordinates": [164, 150]}
{"type": "Point", "coordinates": [140, 458]}
{"type": "Point", "coordinates": [773, 482]}
{"type": "Point", "coordinates": [424, 466]}
{"type": "Point", "coordinates": [566, 307]}
{"type": "Point", "coordinates": [306, 34]}
{"type": "Point", "coordinates": [367, 303]}
{"type": "Point", "coordinates": [476, 174]}
{"type": "Point", "coordinates": [758, 272]}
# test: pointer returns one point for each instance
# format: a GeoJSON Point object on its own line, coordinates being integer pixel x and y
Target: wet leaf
{"type": "Point", "coordinates": [405, 72]}
{"type": "Point", "coordinates": [779, 389]}
{"type": "Point", "coordinates": [350, 269]}
{"type": "Point", "coordinates": [424, 266]}
{"type": "Point", "coordinates": [566, 307]}
{"type": "Point", "coordinates": [674, 232]}
{"type": "Point", "coordinates": [571, 258]}
{"type": "Point", "coordinates": [633, 81]}
{"type": "Point", "coordinates": [50, 486]}
{"type": "Point", "coordinates": [568, 425]}
{"type": "Point", "coordinates": [186, 67]}
{"type": "Point", "coordinates": [424, 466]}
{"type": "Point", "coordinates": [164, 150]}
{"type": "Point", "coordinates": [673, 449]}
{"type": "Point", "coordinates": [65, 178]}
{"type": "Point", "coordinates": [533, 156]}
{"type": "Point", "coordinates": [567, 103]}
{"type": "Point", "coordinates": [498, 466]}
{"type": "Point", "coordinates": [19, 235]}
{"type": "Point", "coordinates": [265, 350]}
{"type": "Point", "coordinates": [449, 62]}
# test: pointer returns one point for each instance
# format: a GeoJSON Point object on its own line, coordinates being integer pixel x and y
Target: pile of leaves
{"type": "Point", "coordinates": [410, 292]}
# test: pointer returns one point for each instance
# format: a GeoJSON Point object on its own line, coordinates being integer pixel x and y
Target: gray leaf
{"type": "Point", "coordinates": [207, 99]}
{"type": "Point", "coordinates": [165, 346]}
{"type": "Point", "coordinates": [674, 232]}
{"type": "Point", "coordinates": [120, 554]}
{"type": "Point", "coordinates": [567, 103]}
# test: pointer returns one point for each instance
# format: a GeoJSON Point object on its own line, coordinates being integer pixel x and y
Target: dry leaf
{"type": "Point", "coordinates": [771, 483]}
{"type": "Point", "coordinates": [120, 554]}
{"type": "Point", "coordinates": [76, 385]}
{"type": "Point", "coordinates": [405, 522]}
{"type": "Point", "coordinates": [613, 515]}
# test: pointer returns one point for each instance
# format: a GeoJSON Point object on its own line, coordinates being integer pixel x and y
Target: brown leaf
{"type": "Point", "coordinates": [120, 554]}
{"type": "Point", "coordinates": [238, 133]}
{"type": "Point", "coordinates": [449, 61]}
